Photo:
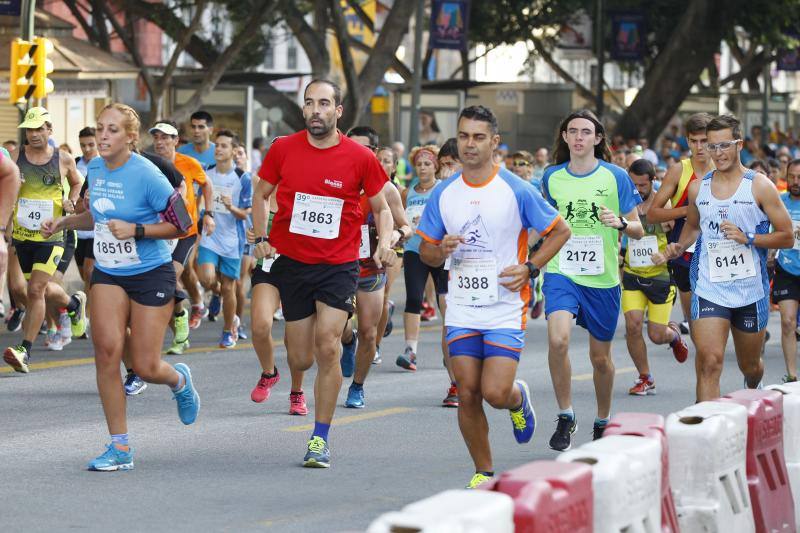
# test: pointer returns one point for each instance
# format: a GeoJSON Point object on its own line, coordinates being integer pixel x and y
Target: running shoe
{"type": "Point", "coordinates": [53, 342]}
{"type": "Point", "coordinates": [181, 323]}
{"type": "Point", "coordinates": [348, 360]}
{"type": "Point", "coordinates": [759, 386]}
{"type": "Point", "coordinates": [78, 317]}
{"type": "Point", "coordinates": [187, 398]}
{"type": "Point", "coordinates": [177, 348]}
{"type": "Point", "coordinates": [15, 319]}
{"type": "Point", "coordinates": [2, 310]}
{"type": "Point", "coordinates": [297, 404]}
{"type": "Point", "coordinates": [278, 315]}
{"type": "Point", "coordinates": [523, 419]}
{"type": "Point", "coordinates": [407, 360]}
{"type": "Point", "coordinates": [214, 307]}
{"type": "Point", "coordinates": [536, 309]}
{"type": "Point", "coordinates": [241, 330]}
{"type": "Point", "coordinates": [134, 384]}
{"type": "Point", "coordinates": [451, 400]}
{"type": "Point", "coordinates": [199, 312]}
{"type": "Point", "coordinates": [112, 459]}
{"type": "Point", "coordinates": [789, 379]}
{"type": "Point", "coordinates": [427, 313]}
{"type": "Point", "coordinates": [685, 327]}
{"type": "Point", "coordinates": [318, 454]}
{"type": "Point", "coordinates": [264, 387]}
{"type": "Point", "coordinates": [227, 340]}
{"type": "Point", "coordinates": [679, 349]}
{"type": "Point", "coordinates": [17, 358]}
{"type": "Point", "coordinates": [65, 327]}
{"type": "Point", "coordinates": [561, 440]}
{"type": "Point", "coordinates": [377, 359]}
{"type": "Point", "coordinates": [598, 430]}
{"type": "Point", "coordinates": [43, 328]}
{"type": "Point", "coordinates": [389, 323]}
{"type": "Point", "coordinates": [643, 386]}
{"type": "Point", "coordinates": [355, 397]}
{"type": "Point", "coordinates": [477, 479]}
{"type": "Point", "coordinates": [235, 327]}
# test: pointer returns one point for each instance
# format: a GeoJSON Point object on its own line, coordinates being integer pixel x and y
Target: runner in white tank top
{"type": "Point", "coordinates": [730, 212]}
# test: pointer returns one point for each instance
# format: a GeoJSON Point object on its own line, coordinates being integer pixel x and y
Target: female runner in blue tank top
{"type": "Point", "coordinates": [133, 284]}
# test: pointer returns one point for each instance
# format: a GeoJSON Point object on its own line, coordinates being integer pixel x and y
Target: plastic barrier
{"type": "Point", "coordinates": [452, 511]}
{"type": "Point", "coordinates": [651, 426]}
{"type": "Point", "coordinates": [767, 478]}
{"type": "Point", "coordinates": [707, 443]}
{"type": "Point", "coordinates": [791, 438]}
{"type": "Point", "coordinates": [626, 479]}
{"type": "Point", "coordinates": [549, 497]}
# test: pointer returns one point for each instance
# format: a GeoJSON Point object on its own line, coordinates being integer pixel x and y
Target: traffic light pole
{"type": "Point", "coordinates": [26, 19]}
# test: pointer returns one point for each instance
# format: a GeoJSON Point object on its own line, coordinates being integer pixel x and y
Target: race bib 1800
{"type": "Point", "coordinates": [316, 216]}
{"type": "Point", "coordinates": [640, 250]}
{"type": "Point", "coordinates": [582, 255]}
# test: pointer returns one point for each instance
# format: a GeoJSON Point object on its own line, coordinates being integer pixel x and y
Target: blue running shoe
{"type": "Point", "coordinates": [187, 398]}
{"type": "Point", "coordinates": [524, 418]}
{"type": "Point", "coordinates": [227, 340]}
{"type": "Point", "coordinates": [349, 356]}
{"type": "Point", "coordinates": [134, 384]}
{"type": "Point", "coordinates": [241, 331]}
{"type": "Point", "coordinates": [112, 459]}
{"type": "Point", "coordinates": [318, 454]}
{"type": "Point", "coordinates": [355, 397]}
{"type": "Point", "coordinates": [214, 307]}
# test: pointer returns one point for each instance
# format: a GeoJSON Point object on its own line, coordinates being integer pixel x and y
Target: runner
{"type": "Point", "coordinates": [599, 201]}
{"type": "Point", "coordinates": [673, 190]}
{"type": "Point", "coordinates": [388, 160]}
{"type": "Point", "coordinates": [730, 212]}
{"type": "Point", "coordinates": [248, 261]}
{"type": "Point", "coordinates": [201, 148]}
{"type": "Point", "coordinates": [165, 140]}
{"type": "Point", "coordinates": [786, 283]}
{"type": "Point", "coordinates": [84, 249]}
{"type": "Point", "coordinates": [316, 231]}
{"type": "Point", "coordinates": [221, 251]}
{"type": "Point", "coordinates": [648, 287]}
{"type": "Point", "coordinates": [134, 281]}
{"type": "Point", "coordinates": [481, 219]}
{"type": "Point", "coordinates": [449, 163]}
{"type": "Point", "coordinates": [9, 188]}
{"type": "Point", "coordinates": [41, 197]}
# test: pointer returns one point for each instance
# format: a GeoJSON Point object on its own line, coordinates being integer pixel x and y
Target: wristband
{"type": "Point", "coordinates": [209, 214]}
{"type": "Point", "coordinates": [260, 240]}
{"type": "Point", "coordinates": [533, 272]}
{"type": "Point", "coordinates": [139, 232]}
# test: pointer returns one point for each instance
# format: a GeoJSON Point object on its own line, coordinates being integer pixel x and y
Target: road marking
{"type": "Point", "coordinates": [587, 377]}
{"type": "Point", "coordinates": [344, 420]}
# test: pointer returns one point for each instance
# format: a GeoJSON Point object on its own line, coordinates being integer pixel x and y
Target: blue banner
{"type": "Point", "coordinates": [10, 7]}
{"type": "Point", "coordinates": [789, 59]}
{"type": "Point", "coordinates": [628, 34]}
{"type": "Point", "coordinates": [449, 23]}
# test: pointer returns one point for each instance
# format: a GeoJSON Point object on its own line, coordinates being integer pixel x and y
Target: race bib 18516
{"type": "Point", "coordinates": [111, 252]}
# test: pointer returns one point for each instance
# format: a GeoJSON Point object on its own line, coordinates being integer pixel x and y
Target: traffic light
{"type": "Point", "coordinates": [44, 67]}
{"type": "Point", "coordinates": [29, 69]}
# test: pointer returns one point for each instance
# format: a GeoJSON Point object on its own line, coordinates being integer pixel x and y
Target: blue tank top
{"type": "Point", "coordinates": [789, 259]}
{"type": "Point", "coordinates": [743, 210]}
{"type": "Point", "coordinates": [415, 204]}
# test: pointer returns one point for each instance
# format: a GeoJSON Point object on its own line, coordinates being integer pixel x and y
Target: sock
{"type": "Point", "coordinates": [675, 338]}
{"type": "Point", "coordinates": [129, 370]}
{"type": "Point", "coordinates": [120, 441]}
{"type": "Point", "coordinates": [180, 313]}
{"type": "Point", "coordinates": [73, 304]}
{"type": "Point", "coordinates": [268, 375]}
{"type": "Point", "coordinates": [568, 411]}
{"type": "Point", "coordinates": [452, 383]}
{"type": "Point", "coordinates": [412, 344]}
{"type": "Point", "coordinates": [181, 383]}
{"type": "Point", "coordinates": [296, 392]}
{"type": "Point", "coordinates": [27, 345]}
{"type": "Point", "coordinates": [486, 473]}
{"type": "Point", "coordinates": [321, 430]}
{"type": "Point", "coordinates": [357, 386]}
{"type": "Point", "coordinates": [600, 421]}
{"type": "Point", "coordinates": [521, 403]}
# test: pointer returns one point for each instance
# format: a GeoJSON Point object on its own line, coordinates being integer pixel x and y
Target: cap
{"type": "Point", "coordinates": [35, 118]}
{"type": "Point", "coordinates": [163, 127]}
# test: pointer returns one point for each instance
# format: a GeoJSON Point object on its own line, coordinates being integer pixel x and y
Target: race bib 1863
{"type": "Point", "coordinates": [316, 216]}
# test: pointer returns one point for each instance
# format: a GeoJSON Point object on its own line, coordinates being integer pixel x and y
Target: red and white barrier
{"type": "Point", "coordinates": [791, 438]}
{"type": "Point", "coordinates": [626, 479]}
{"type": "Point", "coordinates": [452, 511]}
{"type": "Point", "coordinates": [707, 444]}
{"type": "Point", "coordinates": [767, 478]}
{"type": "Point", "coordinates": [549, 496]}
{"type": "Point", "coordinates": [652, 426]}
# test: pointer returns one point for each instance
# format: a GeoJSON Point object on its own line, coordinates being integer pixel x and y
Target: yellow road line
{"type": "Point", "coordinates": [344, 420]}
{"type": "Point", "coordinates": [587, 377]}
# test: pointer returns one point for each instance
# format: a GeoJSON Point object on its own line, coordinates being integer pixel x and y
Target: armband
{"type": "Point", "coordinates": [176, 214]}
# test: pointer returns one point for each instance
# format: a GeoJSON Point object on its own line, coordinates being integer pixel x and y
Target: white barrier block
{"type": "Point", "coordinates": [452, 511]}
{"type": "Point", "coordinates": [626, 481]}
{"type": "Point", "coordinates": [707, 452]}
{"type": "Point", "coordinates": [791, 438]}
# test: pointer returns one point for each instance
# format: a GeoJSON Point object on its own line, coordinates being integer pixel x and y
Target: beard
{"type": "Point", "coordinates": [320, 129]}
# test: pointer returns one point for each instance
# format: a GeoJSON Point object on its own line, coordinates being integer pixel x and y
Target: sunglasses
{"type": "Point", "coordinates": [721, 146]}
{"type": "Point", "coordinates": [521, 164]}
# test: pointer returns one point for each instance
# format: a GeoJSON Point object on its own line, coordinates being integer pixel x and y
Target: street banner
{"type": "Point", "coordinates": [789, 59]}
{"type": "Point", "coordinates": [449, 23]}
{"type": "Point", "coordinates": [10, 7]}
{"type": "Point", "coordinates": [576, 34]}
{"type": "Point", "coordinates": [628, 36]}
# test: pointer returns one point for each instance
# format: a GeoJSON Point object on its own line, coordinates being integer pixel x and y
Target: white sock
{"type": "Point", "coordinates": [412, 344]}
{"type": "Point", "coordinates": [181, 383]}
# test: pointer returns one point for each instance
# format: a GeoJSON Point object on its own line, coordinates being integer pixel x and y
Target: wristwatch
{"type": "Point", "coordinates": [259, 240]}
{"type": "Point", "coordinates": [209, 214]}
{"type": "Point", "coordinates": [533, 272]}
{"type": "Point", "coordinates": [139, 232]}
{"type": "Point", "coordinates": [624, 224]}
{"type": "Point", "coordinates": [750, 238]}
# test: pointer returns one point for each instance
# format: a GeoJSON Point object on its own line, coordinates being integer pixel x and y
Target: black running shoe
{"type": "Point", "coordinates": [598, 430]}
{"type": "Point", "coordinates": [685, 327]}
{"type": "Point", "coordinates": [15, 319]}
{"type": "Point", "coordinates": [561, 440]}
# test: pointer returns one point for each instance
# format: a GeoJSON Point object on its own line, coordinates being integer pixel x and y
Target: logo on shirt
{"type": "Point", "coordinates": [582, 213]}
{"type": "Point", "coordinates": [101, 205]}
{"type": "Point", "coordinates": [703, 202]}
{"type": "Point", "coordinates": [742, 202]}
{"type": "Point", "coordinates": [48, 180]}
{"type": "Point", "coordinates": [600, 192]}
{"type": "Point", "coordinates": [337, 184]}
{"type": "Point", "coordinates": [475, 233]}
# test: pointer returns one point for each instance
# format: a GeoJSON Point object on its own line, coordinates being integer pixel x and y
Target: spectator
{"type": "Point", "coordinates": [648, 153]}
{"type": "Point", "coordinates": [540, 161]}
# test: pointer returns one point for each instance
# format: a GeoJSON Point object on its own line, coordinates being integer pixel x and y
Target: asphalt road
{"type": "Point", "coordinates": [238, 467]}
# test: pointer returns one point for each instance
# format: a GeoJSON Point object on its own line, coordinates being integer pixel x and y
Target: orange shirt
{"type": "Point", "coordinates": [193, 173]}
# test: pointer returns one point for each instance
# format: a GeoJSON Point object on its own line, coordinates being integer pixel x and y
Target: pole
{"type": "Point", "coordinates": [765, 94]}
{"type": "Point", "coordinates": [27, 10]}
{"type": "Point", "coordinates": [599, 36]}
{"type": "Point", "coordinates": [413, 123]}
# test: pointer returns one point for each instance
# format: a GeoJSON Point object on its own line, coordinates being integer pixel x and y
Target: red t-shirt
{"type": "Point", "coordinates": [324, 186]}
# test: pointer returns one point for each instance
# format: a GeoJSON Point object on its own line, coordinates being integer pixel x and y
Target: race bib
{"type": "Point", "coordinates": [363, 248]}
{"type": "Point", "coordinates": [31, 213]}
{"type": "Point", "coordinates": [473, 281]}
{"type": "Point", "coordinates": [172, 244]}
{"type": "Point", "coordinates": [728, 261]}
{"type": "Point", "coordinates": [219, 192]}
{"type": "Point", "coordinates": [111, 252]}
{"type": "Point", "coordinates": [414, 214]}
{"type": "Point", "coordinates": [796, 233]}
{"type": "Point", "coordinates": [582, 255]}
{"type": "Point", "coordinates": [266, 263]}
{"type": "Point", "coordinates": [640, 250]}
{"type": "Point", "coordinates": [316, 216]}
